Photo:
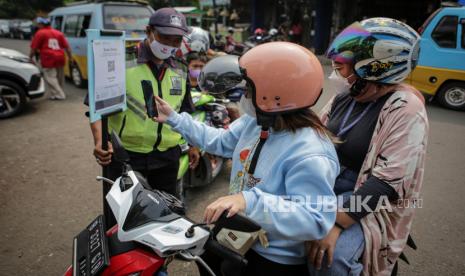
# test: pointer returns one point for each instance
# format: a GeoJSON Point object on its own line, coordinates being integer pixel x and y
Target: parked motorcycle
{"type": "Point", "coordinates": [218, 44]}
{"type": "Point", "coordinates": [261, 38]}
{"type": "Point", "coordinates": [209, 110]}
{"type": "Point", "coordinates": [239, 49]}
{"type": "Point", "coordinates": [228, 47]}
{"type": "Point", "coordinates": [150, 232]}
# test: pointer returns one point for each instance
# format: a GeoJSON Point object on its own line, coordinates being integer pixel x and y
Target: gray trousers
{"type": "Point", "coordinates": [55, 79]}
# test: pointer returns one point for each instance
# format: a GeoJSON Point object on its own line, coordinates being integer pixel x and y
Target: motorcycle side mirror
{"type": "Point", "coordinates": [119, 152]}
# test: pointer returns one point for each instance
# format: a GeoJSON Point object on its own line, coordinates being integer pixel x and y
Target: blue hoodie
{"type": "Point", "coordinates": [302, 164]}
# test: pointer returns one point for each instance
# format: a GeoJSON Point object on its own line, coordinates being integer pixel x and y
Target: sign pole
{"type": "Point", "coordinates": [107, 92]}
{"type": "Point", "coordinates": [107, 214]}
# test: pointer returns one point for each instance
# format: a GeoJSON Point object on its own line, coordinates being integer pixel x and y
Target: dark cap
{"type": "Point", "coordinates": [168, 21]}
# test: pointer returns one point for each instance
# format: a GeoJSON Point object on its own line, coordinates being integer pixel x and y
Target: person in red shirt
{"type": "Point", "coordinates": [51, 45]}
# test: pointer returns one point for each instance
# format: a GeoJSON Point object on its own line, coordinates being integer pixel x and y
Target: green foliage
{"type": "Point", "coordinates": [29, 9]}
{"type": "Point", "coordinates": [26, 8]}
{"type": "Point", "coordinates": [157, 4]}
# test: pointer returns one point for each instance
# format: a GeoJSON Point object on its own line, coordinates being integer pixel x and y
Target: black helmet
{"type": "Point", "coordinates": [221, 74]}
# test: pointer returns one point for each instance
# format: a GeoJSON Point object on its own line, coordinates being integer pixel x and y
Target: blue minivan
{"type": "Point", "coordinates": [73, 19]}
{"type": "Point", "coordinates": [440, 72]}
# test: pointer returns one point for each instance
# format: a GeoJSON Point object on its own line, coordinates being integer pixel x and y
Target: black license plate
{"type": "Point", "coordinates": [90, 250]}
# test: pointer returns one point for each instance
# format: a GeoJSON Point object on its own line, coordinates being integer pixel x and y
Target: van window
{"type": "Point", "coordinates": [445, 33]}
{"type": "Point", "coordinates": [83, 25]}
{"type": "Point", "coordinates": [58, 22]}
{"type": "Point", "coordinates": [463, 33]}
{"type": "Point", "coordinates": [71, 23]}
{"type": "Point", "coordinates": [76, 25]}
{"type": "Point", "coordinates": [126, 18]}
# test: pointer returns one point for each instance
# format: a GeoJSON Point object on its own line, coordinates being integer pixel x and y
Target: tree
{"type": "Point", "coordinates": [157, 4]}
{"type": "Point", "coordinates": [26, 8]}
{"type": "Point", "coordinates": [31, 8]}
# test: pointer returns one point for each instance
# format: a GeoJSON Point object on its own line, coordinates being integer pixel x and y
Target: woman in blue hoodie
{"type": "Point", "coordinates": [284, 162]}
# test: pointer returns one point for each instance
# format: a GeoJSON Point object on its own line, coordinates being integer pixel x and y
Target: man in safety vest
{"type": "Point", "coordinates": [153, 147]}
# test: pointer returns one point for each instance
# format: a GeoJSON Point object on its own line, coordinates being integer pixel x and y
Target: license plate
{"type": "Point", "coordinates": [90, 250]}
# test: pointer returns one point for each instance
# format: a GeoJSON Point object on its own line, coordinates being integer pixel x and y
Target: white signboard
{"type": "Point", "coordinates": [110, 80]}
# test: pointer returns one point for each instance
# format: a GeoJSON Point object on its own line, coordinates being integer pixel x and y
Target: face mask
{"type": "Point", "coordinates": [247, 106]}
{"type": "Point", "coordinates": [194, 73]}
{"type": "Point", "coordinates": [162, 51]}
{"type": "Point", "coordinates": [339, 83]}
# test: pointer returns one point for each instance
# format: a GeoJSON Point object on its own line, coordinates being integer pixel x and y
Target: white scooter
{"type": "Point", "coordinates": [150, 232]}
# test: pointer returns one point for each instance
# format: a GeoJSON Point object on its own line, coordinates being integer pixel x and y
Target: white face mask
{"type": "Point", "coordinates": [162, 51]}
{"type": "Point", "coordinates": [247, 106]}
{"type": "Point", "coordinates": [339, 83]}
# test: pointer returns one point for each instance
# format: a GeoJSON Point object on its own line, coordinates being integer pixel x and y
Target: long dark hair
{"type": "Point", "coordinates": [301, 119]}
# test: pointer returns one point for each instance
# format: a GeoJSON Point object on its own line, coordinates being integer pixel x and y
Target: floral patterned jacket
{"type": "Point", "coordinates": [396, 155]}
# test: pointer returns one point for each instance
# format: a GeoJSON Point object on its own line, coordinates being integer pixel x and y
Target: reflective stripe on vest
{"type": "Point", "coordinates": [140, 132]}
{"type": "Point", "coordinates": [136, 107]}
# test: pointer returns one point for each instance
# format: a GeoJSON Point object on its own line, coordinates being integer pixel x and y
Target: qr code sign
{"type": "Point", "coordinates": [111, 66]}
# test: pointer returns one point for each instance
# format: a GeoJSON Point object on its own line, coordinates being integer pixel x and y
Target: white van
{"type": "Point", "coordinates": [131, 17]}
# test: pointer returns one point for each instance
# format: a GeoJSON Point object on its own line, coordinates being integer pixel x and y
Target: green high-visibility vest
{"type": "Point", "coordinates": [138, 132]}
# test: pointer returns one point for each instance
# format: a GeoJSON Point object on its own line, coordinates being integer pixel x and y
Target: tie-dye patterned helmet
{"type": "Point", "coordinates": [382, 50]}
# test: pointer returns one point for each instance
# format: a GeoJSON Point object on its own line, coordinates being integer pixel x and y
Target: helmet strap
{"type": "Point", "coordinates": [265, 121]}
{"type": "Point", "coordinates": [358, 87]}
{"type": "Point", "coordinates": [264, 133]}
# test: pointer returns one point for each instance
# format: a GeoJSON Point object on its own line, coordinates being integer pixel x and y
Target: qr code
{"type": "Point", "coordinates": [111, 66]}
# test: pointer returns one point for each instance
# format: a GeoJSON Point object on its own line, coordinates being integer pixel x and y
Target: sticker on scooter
{"type": "Point", "coordinates": [171, 229]}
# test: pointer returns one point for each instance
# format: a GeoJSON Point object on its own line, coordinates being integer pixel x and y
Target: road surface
{"type": "Point", "coordinates": [48, 191]}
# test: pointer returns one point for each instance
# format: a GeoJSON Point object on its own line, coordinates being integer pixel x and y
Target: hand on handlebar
{"type": "Point", "coordinates": [103, 157]}
{"type": "Point", "coordinates": [232, 203]}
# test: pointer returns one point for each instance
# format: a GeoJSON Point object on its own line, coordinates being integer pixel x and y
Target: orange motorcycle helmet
{"type": "Point", "coordinates": [284, 77]}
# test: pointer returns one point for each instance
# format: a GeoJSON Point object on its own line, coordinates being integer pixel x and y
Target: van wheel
{"type": "Point", "coordinates": [12, 99]}
{"type": "Point", "coordinates": [452, 95]}
{"type": "Point", "coordinates": [76, 77]}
